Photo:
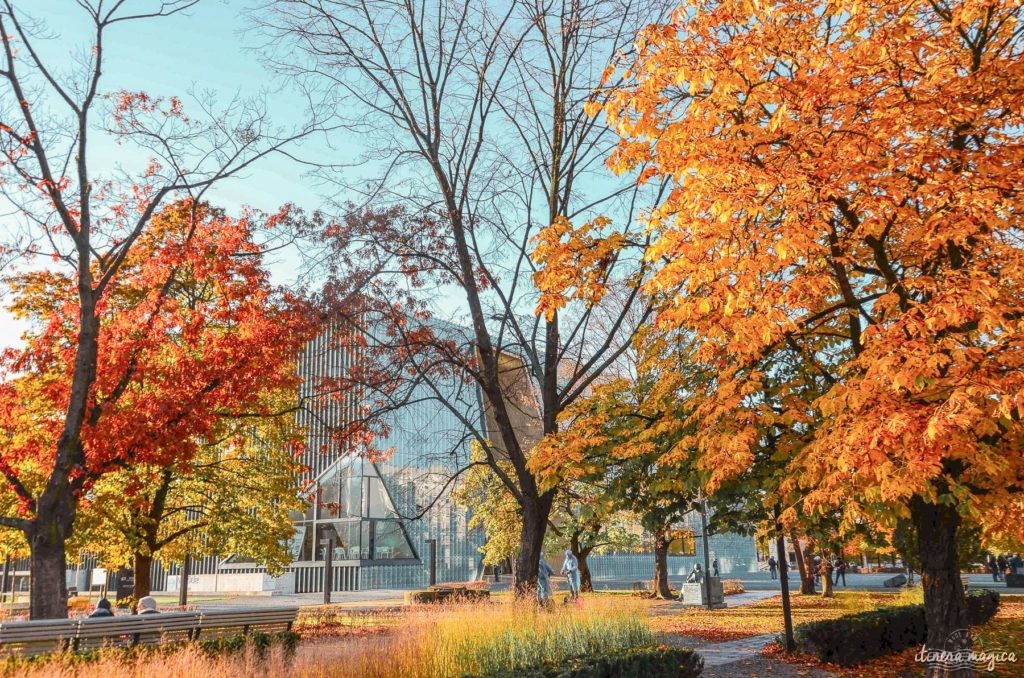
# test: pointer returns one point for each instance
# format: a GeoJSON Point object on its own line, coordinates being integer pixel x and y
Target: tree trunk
{"type": "Point", "coordinates": [143, 582]}
{"type": "Point", "coordinates": [531, 543]}
{"type": "Point", "coordinates": [661, 543]}
{"type": "Point", "coordinates": [586, 581]}
{"type": "Point", "coordinates": [826, 578]}
{"type": "Point", "coordinates": [944, 604]}
{"type": "Point", "coordinates": [48, 582]}
{"type": "Point", "coordinates": [806, 576]}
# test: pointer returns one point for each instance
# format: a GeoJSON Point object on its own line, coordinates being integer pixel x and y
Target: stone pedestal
{"type": "Point", "coordinates": [697, 594]}
{"type": "Point", "coordinates": [1015, 581]}
{"type": "Point", "coordinates": [895, 582]}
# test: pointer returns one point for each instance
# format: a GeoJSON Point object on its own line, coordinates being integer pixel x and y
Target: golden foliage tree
{"type": "Point", "coordinates": [847, 187]}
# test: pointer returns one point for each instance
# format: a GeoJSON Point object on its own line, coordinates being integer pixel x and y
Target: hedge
{"type": "Point", "coordinates": [857, 638]}
{"type": "Point", "coordinates": [442, 594]}
{"type": "Point", "coordinates": [641, 662]}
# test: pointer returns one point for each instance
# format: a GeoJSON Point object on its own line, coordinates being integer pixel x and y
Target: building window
{"type": "Point", "coordinates": [353, 505]}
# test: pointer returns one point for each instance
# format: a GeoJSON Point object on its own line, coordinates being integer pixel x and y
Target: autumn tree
{"type": "Point", "coordinates": [847, 184]}
{"type": "Point", "coordinates": [191, 332]}
{"type": "Point", "coordinates": [623, 436]}
{"type": "Point", "coordinates": [235, 496]}
{"type": "Point", "coordinates": [584, 518]}
{"type": "Point", "coordinates": [477, 138]}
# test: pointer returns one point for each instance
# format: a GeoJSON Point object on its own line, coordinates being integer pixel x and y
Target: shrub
{"type": "Point", "coordinates": [640, 662]}
{"type": "Point", "coordinates": [857, 638]}
{"type": "Point", "coordinates": [445, 594]}
{"type": "Point", "coordinates": [732, 586]}
{"type": "Point", "coordinates": [982, 605]}
{"type": "Point", "coordinates": [257, 642]}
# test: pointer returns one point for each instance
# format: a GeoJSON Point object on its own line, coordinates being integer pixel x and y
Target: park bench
{"type": "Point", "coordinates": [40, 637]}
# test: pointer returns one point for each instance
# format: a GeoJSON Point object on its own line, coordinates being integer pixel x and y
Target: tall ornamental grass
{"type": "Point", "coordinates": [444, 641]}
{"type": "Point", "coordinates": [451, 641]}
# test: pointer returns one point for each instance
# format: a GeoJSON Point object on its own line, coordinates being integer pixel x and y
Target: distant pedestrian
{"type": "Point", "coordinates": [993, 567]}
{"type": "Point", "coordinates": [772, 566]}
{"type": "Point", "coordinates": [714, 567]}
{"type": "Point", "coordinates": [840, 568]}
{"type": "Point", "coordinates": [1016, 564]}
{"type": "Point", "coordinates": [544, 573]}
{"type": "Point", "coordinates": [1001, 564]}
{"type": "Point", "coordinates": [571, 570]}
{"type": "Point", "coordinates": [147, 605]}
{"type": "Point", "coordinates": [817, 570]}
{"type": "Point", "coordinates": [102, 609]}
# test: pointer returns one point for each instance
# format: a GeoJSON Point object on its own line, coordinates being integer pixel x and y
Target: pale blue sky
{"type": "Point", "coordinates": [202, 49]}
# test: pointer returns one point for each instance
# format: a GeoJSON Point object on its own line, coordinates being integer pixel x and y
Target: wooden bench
{"type": "Point", "coordinates": [37, 637]}
{"type": "Point", "coordinates": [41, 637]}
{"type": "Point", "coordinates": [242, 621]}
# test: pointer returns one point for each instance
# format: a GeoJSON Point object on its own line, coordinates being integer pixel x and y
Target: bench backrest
{"type": "Point", "coordinates": [37, 637]}
{"type": "Point", "coordinates": [230, 622]}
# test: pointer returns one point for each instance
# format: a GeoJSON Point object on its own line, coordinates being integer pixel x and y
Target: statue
{"type": "Point", "coordinates": [696, 575]}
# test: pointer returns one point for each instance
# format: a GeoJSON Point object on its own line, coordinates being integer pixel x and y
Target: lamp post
{"type": "Point", "coordinates": [707, 554]}
{"type": "Point", "coordinates": [780, 550]}
{"type": "Point", "coordinates": [328, 564]}
{"type": "Point", "coordinates": [432, 545]}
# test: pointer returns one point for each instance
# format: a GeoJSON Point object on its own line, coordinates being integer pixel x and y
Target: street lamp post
{"type": "Point", "coordinates": [328, 542]}
{"type": "Point", "coordinates": [432, 545]}
{"type": "Point", "coordinates": [707, 555]}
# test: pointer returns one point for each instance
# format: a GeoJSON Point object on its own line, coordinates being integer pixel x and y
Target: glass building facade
{"type": "Point", "coordinates": [382, 508]}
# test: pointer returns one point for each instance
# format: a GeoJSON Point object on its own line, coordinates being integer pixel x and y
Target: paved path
{"type": "Point", "coordinates": [717, 654]}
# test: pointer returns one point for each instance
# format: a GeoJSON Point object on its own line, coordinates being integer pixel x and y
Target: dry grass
{"type": "Point", "coordinates": [436, 641]}
{"type": "Point", "coordinates": [450, 641]}
{"type": "Point", "coordinates": [187, 662]}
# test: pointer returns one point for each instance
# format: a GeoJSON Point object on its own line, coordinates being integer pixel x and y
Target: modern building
{"type": "Point", "coordinates": [382, 511]}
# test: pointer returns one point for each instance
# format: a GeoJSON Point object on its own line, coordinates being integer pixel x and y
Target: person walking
{"type": "Point", "coordinates": [571, 570]}
{"type": "Point", "coordinates": [544, 573]}
{"type": "Point", "coordinates": [773, 566]}
{"type": "Point", "coordinates": [102, 609]}
{"type": "Point", "coordinates": [840, 568]}
{"type": "Point", "coordinates": [714, 567]}
{"type": "Point", "coordinates": [1001, 565]}
{"type": "Point", "coordinates": [1016, 564]}
{"type": "Point", "coordinates": [993, 567]}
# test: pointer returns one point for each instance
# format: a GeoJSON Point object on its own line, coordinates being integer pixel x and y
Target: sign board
{"type": "Point", "coordinates": [99, 577]}
{"type": "Point", "coordinates": [125, 583]}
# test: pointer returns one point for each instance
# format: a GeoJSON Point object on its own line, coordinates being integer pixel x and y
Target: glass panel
{"type": "Point", "coordinates": [366, 547]}
{"type": "Point", "coordinates": [308, 550]}
{"type": "Point", "coordinates": [297, 541]}
{"type": "Point", "coordinates": [378, 504]}
{"type": "Point", "coordinates": [348, 539]}
{"type": "Point", "coordinates": [350, 501]}
{"type": "Point", "coordinates": [328, 501]}
{"type": "Point", "coordinates": [389, 541]}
